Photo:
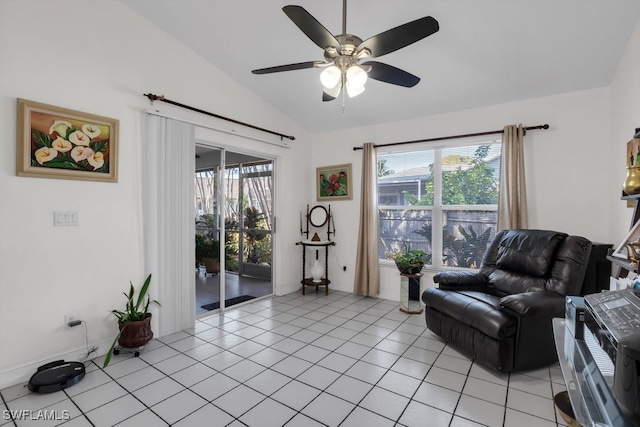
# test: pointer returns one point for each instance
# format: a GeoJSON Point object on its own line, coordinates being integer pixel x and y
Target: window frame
{"type": "Point", "coordinates": [438, 209]}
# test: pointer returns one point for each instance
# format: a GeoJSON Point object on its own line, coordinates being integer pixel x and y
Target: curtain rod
{"type": "Point", "coordinates": [197, 110]}
{"type": "Point", "coordinates": [442, 138]}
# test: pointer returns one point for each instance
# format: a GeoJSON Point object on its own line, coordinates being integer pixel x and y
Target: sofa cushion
{"type": "Point", "coordinates": [478, 310]}
{"type": "Point", "coordinates": [528, 252]}
{"type": "Point", "coordinates": [503, 282]}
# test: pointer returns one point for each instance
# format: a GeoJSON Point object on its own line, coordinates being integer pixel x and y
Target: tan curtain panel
{"type": "Point", "coordinates": [512, 203]}
{"type": "Point", "coordinates": [367, 281]}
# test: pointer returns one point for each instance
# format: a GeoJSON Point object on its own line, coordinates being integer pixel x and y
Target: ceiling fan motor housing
{"type": "Point", "coordinates": [347, 53]}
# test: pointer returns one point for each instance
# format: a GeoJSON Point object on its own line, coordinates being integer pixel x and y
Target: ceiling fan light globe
{"type": "Point", "coordinates": [356, 76]}
{"type": "Point", "coordinates": [352, 90]}
{"type": "Point", "coordinates": [330, 77]}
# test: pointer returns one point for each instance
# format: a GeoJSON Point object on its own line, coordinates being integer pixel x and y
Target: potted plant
{"type": "Point", "coordinates": [409, 261]}
{"type": "Point", "coordinates": [208, 253]}
{"type": "Point", "coordinates": [135, 321]}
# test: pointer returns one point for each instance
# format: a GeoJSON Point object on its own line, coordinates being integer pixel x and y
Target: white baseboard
{"type": "Point", "coordinates": [286, 289]}
{"type": "Point", "coordinates": [21, 373]}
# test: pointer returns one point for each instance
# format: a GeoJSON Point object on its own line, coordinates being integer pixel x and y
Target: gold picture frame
{"type": "Point", "coordinates": [334, 182]}
{"type": "Point", "coordinates": [56, 142]}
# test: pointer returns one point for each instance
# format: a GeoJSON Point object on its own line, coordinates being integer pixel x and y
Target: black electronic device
{"type": "Point", "coordinates": [55, 376]}
{"type": "Point", "coordinates": [574, 314]}
{"type": "Point", "coordinates": [614, 320]}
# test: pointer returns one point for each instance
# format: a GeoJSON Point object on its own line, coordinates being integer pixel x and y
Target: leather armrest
{"type": "Point", "coordinates": [535, 311]}
{"type": "Point", "coordinates": [545, 304]}
{"type": "Point", "coordinates": [460, 280]}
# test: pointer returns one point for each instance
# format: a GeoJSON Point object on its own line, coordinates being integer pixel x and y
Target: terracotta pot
{"type": "Point", "coordinates": [135, 334]}
{"type": "Point", "coordinates": [211, 265]}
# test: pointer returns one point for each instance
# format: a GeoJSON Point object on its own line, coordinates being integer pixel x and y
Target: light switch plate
{"type": "Point", "coordinates": [66, 218]}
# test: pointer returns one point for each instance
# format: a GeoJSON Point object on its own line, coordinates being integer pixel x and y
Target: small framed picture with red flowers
{"type": "Point", "coordinates": [55, 142]}
{"type": "Point", "coordinates": [334, 182]}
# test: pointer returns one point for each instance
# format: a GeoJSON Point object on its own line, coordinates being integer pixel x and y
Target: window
{"type": "Point", "coordinates": [442, 201]}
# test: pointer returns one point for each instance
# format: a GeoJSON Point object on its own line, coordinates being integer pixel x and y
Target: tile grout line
{"type": "Point", "coordinates": [128, 392]}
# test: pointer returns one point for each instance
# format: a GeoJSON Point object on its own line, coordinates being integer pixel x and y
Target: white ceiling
{"type": "Point", "coordinates": [486, 52]}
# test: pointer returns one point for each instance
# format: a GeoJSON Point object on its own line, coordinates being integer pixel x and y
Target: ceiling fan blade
{"type": "Point", "coordinates": [399, 37]}
{"type": "Point", "coordinates": [289, 67]}
{"type": "Point", "coordinates": [311, 27]}
{"type": "Point", "coordinates": [326, 97]}
{"type": "Point", "coordinates": [331, 94]}
{"type": "Point", "coordinates": [390, 74]}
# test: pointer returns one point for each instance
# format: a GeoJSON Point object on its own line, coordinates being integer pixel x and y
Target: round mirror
{"type": "Point", "coordinates": [318, 216]}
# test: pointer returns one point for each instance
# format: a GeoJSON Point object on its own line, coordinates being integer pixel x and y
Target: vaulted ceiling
{"type": "Point", "coordinates": [486, 51]}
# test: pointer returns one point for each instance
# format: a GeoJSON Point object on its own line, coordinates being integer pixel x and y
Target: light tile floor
{"type": "Point", "coordinates": [314, 360]}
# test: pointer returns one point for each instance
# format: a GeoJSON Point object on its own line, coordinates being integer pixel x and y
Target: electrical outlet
{"type": "Point", "coordinates": [68, 318]}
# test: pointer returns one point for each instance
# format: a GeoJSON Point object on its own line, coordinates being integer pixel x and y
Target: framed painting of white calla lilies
{"type": "Point", "coordinates": [55, 142]}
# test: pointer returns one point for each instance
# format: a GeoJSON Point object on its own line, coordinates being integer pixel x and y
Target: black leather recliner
{"type": "Point", "coordinates": [500, 315]}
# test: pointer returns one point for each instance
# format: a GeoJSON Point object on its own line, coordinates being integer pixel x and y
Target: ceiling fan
{"type": "Point", "coordinates": [343, 52]}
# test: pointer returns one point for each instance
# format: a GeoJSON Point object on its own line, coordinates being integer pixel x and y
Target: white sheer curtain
{"type": "Point", "coordinates": [512, 203]}
{"type": "Point", "coordinates": [367, 277]}
{"type": "Point", "coordinates": [169, 226]}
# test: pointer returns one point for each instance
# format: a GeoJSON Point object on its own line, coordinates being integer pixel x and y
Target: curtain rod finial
{"type": "Point", "coordinates": [153, 97]}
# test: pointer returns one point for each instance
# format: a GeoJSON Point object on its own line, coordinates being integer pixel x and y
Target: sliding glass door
{"type": "Point", "coordinates": [234, 209]}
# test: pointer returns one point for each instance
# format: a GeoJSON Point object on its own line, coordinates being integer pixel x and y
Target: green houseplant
{"type": "Point", "coordinates": [208, 253]}
{"type": "Point", "coordinates": [134, 321]}
{"type": "Point", "coordinates": [254, 249]}
{"type": "Point", "coordinates": [408, 262]}
{"type": "Point", "coordinates": [411, 261]}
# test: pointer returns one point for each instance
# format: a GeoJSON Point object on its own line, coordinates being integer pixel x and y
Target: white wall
{"type": "Point", "coordinates": [101, 65]}
{"type": "Point", "coordinates": [567, 185]}
{"type": "Point", "coordinates": [625, 118]}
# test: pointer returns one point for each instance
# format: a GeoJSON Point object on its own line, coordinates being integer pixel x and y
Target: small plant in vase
{"type": "Point", "coordinates": [134, 322]}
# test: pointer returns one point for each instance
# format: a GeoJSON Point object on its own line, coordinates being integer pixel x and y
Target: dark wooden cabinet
{"type": "Point", "coordinates": [598, 271]}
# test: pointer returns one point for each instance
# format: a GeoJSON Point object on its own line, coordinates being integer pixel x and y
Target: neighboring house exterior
{"type": "Point", "coordinates": [394, 189]}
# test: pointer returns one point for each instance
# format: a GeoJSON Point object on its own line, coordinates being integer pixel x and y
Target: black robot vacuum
{"type": "Point", "coordinates": [56, 376]}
